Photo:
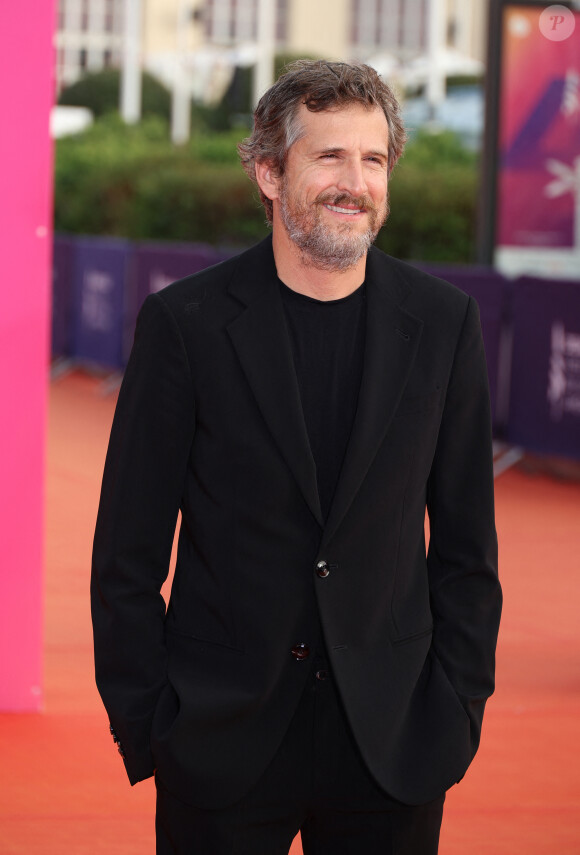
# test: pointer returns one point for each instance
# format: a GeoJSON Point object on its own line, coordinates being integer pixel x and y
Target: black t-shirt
{"type": "Point", "coordinates": [327, 340]}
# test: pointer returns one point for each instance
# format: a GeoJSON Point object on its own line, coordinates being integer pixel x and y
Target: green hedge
{"type": "Point", "coordinates": [131, 182]}
{"type": "Point", "coordinates": [433, 199]}
{"type": "Point", "coordinates": [100, 92]}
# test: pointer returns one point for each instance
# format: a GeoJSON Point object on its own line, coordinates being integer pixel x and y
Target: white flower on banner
{"type": "Point", "coordinates": [567, 180]}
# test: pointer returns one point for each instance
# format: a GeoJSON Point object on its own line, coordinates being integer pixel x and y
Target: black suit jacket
{"type": "Point", "coordinates": [209, 421]}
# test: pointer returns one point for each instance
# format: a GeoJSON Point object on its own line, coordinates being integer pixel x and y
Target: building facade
{"type": "Point", "coordinates": [89, 37]}
{"type": "Point", "coordinates": [201, 34]}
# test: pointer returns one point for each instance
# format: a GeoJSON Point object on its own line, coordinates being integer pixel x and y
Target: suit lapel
{"type": "Point", "coordinates": [261, 341]}
{"type": "Point", "coordinates": [392, 339]}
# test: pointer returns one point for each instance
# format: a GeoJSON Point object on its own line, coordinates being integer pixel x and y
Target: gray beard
{"type": "Point", "coordinates": [323, 248]}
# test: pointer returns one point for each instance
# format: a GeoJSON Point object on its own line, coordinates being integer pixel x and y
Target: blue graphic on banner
{"type": "Point", "coordinates": [526, 149]}
{"type": "Point", "coordinates": [100, 272]}
{"type": "Point", "coordinates": [545, 383]}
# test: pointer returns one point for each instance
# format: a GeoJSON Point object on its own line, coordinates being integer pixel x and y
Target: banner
{"type": "Point", "coordinates": [538, 179]}
{"type": "Point", "coordinates": [100, 270]}
{"type": "Point", "coordinates": [544, 411]}
{"type": "Point", "coordinates": [489, 289]}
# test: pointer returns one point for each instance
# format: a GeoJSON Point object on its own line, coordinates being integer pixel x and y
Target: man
{"type": "Point", "coordinates": [302, 404]}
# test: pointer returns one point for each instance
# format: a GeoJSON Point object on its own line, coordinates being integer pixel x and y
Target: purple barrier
{"type": "Point", "coordinates": [490, 290]}
{"type": "Point", "coordinates": [157, 265]}
{"type": "Point", "coordinates": [100, 270]}
{"type": "Point", "coordinates": [62, 308]}
{"type": "Point", "coordinates": [544, 413]}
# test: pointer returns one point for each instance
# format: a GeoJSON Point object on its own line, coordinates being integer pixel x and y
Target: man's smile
{"type": "Point", "coordinates": [340, 210]}
{"type": "Point", "coordinates": [345, 205]}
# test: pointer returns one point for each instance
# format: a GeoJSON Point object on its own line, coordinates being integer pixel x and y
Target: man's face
{"type": "Point", "coordinates": [333, 199]}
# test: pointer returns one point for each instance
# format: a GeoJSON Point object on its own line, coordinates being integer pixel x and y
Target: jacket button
{"type": "Point", "coordinates": [322, 569]}
{"type": "Point", "coordinates": [300, 651]}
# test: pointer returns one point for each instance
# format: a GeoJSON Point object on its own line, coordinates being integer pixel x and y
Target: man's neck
{"type": "Point", "coordinates": [298, 273]}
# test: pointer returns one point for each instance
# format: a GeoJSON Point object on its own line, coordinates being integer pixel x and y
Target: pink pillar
{"type": "Point", "coordinates": [26, 95]}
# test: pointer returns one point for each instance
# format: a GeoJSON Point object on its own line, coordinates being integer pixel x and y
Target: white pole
{"type": "Point", "coordinates": [266, 46]}
{"type": "Point", "coordinates": [436, 44]}
{"type": "Point", "coordinates": [96, 53]}
{"type": "Point", "coordinates": [181, 95]}
{"type": "Point", "coordinates": [466, 15]}
{"type": "Point", "coordinates": [72, 24]}
{"type": "Point", "coordinates": [131, 65]}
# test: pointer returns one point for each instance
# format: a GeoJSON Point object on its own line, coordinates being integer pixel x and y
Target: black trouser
{"type": "Point", "coordinates": [317, 784]}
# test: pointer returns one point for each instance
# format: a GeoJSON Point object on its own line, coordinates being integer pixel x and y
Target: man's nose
{"type": "Point", "coordinates": [351, 179]}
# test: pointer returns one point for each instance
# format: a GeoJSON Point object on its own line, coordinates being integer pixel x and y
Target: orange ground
{"type": "Point", "coordinates": [62, 786]}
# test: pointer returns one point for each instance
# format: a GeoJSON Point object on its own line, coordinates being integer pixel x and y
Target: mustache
{"type": "Point", "coordinates": [365, 203]}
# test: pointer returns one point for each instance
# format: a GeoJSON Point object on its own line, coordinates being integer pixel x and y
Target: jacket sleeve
{"type": "Point", "coordinates": [141, 493]}
{"type": "Point", "coordinates": [462, 557]}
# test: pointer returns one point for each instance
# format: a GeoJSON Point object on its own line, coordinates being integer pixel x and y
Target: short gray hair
{"type": "Point", "coordinates": [319, 85]}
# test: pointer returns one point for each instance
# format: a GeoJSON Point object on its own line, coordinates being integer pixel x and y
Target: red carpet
{"type": "Point", "coordinates": [62, 787]}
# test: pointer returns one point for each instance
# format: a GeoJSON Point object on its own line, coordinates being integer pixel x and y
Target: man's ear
{"type": "Point", "coordinates": [268, 179]}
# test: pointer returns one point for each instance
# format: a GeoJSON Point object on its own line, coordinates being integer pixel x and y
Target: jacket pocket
{"type": "Point", "coordinates": [173, 630]}
{"type": "Point", "coordinates": [414, 636]}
